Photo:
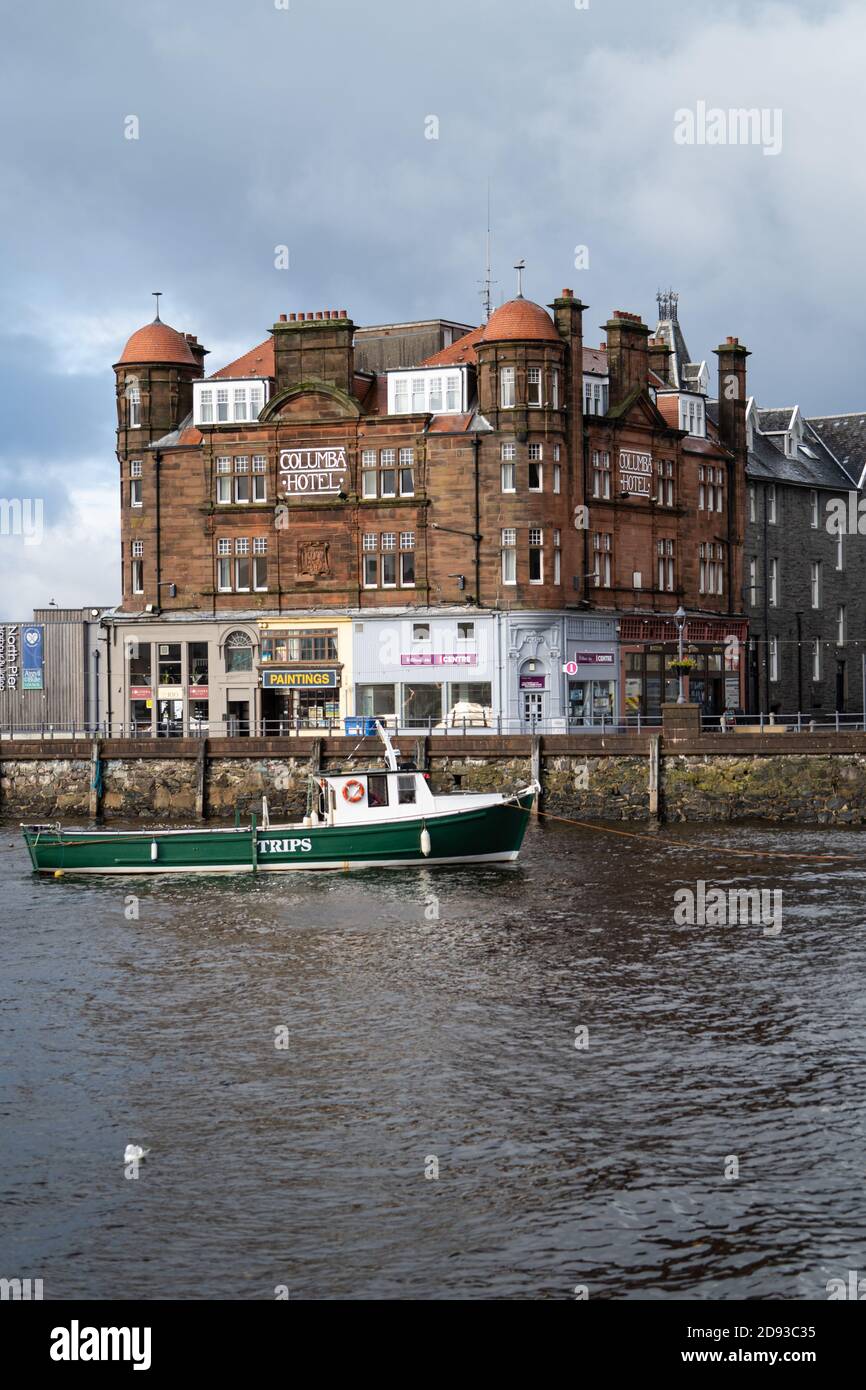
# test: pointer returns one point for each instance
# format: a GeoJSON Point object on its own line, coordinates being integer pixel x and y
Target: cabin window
{"type": "Point", "coordinates": [377, 789]}
{"type": "Point", "coordinates": [406, 791]}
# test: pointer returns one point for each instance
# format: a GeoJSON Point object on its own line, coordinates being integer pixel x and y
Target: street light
{"type": "Point", "coordinates": [680, 620]}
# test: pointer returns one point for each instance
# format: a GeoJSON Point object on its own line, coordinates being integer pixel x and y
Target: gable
{"type": "Point", "coordinates": [311, 401]}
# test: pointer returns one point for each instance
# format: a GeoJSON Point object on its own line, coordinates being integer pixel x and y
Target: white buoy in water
{"type": "Point", "coordinates": [154, 850]}
{"type": "Point", "coordinates": [425, 841]}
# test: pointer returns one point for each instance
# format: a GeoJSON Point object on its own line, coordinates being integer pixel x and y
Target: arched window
{"type": "Point", "coordinates": [239, 652]}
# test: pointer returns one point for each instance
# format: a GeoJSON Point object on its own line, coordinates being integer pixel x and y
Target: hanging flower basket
{"type": "Point", "coordinates": [682, 668]}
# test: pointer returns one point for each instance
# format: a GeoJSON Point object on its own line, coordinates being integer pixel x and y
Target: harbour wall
{"type": "Point", "coordinates": [675, 774]}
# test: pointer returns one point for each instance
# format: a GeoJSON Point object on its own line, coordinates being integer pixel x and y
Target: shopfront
{"type": "Point", "coordinates": [301, 668]}
{"type": "Point", "coordinates": [591, 688]}
{"type": "Point", "coordinates": [418, 671]}
{"type": "Point", "coordinates": [714, 649]}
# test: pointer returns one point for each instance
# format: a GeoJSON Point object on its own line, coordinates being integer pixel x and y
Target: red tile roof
{"type": "Point", "coordinates": [520, 321]}
{"type": "Point", "coordinates": [450, 424]}
{"type": "Point", "coordinates": [259, 361]}
{"type": "Point", "coordinates": [156, 342]}
{"type": "Point", "coordinates": [463, 350]}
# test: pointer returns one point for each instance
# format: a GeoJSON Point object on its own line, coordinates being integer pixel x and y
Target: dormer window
{"type": "Point", "coordinates": [692, 415]}
{"type": "Point", "coordinates": [428, 391]}
{"type": "Point", "coordinates": [238, 401]}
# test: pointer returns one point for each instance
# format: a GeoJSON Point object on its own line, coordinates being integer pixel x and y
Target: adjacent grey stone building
{"type": "Point", "coordinates": [804, 571]}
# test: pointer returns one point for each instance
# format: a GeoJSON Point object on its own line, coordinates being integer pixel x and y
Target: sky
{"type": "Point", "coordinates": [307, 124]}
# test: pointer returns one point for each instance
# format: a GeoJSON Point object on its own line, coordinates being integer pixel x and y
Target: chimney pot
{"type": "Point", "coordinates": [568, 294]}
{"type": "Point", "coordinates": [343, 313]}
{"type": "Point", "coordinates": [282, 318]}
{"type": "Point", "coordinates": [309, 317]}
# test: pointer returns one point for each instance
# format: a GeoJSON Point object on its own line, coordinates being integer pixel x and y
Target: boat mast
{"type": "Point", "coordinates": [390, 750]}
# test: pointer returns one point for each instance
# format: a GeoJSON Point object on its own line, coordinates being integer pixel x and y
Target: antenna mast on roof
{"type": "Point", "coordinates": [486, 291]}
{"type": "Point", "coordinates": [157, 294]}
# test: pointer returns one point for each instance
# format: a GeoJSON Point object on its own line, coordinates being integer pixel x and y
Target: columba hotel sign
{"type": "Point", "coordinates": [312, 472]}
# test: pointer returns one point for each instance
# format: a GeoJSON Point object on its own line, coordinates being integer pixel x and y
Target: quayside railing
{"type": "Point", "coordinates": [361, 726]}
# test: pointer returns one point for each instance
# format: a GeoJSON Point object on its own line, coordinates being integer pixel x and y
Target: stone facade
{"type": "Point", "coordinates": [560, 480]}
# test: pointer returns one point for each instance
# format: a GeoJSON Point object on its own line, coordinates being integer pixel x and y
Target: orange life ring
{"type": "Point", "coordinates": [353, 791]}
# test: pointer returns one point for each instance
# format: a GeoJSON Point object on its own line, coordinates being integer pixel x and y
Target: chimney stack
{"type": "Point", "coordinates": [732, 396]}
{"type": "Point", "coordinates": [660, 359]}
{"type": "Point", "coordinates": [627, 355]}
{"type": "Point", "coordinates": [315, 346]}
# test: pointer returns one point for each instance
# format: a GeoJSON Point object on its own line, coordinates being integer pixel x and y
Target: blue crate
{"type": "Point", "coordinates": [358, 726]}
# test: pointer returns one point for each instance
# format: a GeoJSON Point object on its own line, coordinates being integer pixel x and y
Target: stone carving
{"type": "Point", "coordinates": [313, 558]}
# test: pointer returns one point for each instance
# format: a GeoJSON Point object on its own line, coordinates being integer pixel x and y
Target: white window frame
{"type": "Point", "coordinates": [813, 508]}
{"type": "Point", "coordinates": [534, 387]}
{"type": "Point", "coordinates": [506, 388]}
{"type": "Point", "coordinates": [508, 541]}
{"type": "Point", "coordinates": [815, 583]}
{"type": "Point", "coordinates": [774, 659]}
{"type": "Point", "coordinates": [135, 493]}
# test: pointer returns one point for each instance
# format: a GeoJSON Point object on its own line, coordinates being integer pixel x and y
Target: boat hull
{"type": "Point", "coordinates": [484, 834]}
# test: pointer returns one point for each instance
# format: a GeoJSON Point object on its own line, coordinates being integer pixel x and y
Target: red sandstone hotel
{"type": "Point", "coordinates": [426, 522]}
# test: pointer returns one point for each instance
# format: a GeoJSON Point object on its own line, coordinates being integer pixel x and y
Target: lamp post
{"type": "Point", "coordinates": [680, 620]}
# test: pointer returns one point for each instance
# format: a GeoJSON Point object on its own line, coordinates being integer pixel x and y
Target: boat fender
{"type": "Point", "coordinates": [353, 790]}
{"type": "Point", "coordinates": [154, 850]}
{"type": "Point", "coordinates": [425, 841]}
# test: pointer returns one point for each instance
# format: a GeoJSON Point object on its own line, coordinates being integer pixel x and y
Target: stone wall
{"type": "Point", "coordinates": [803, 789]}
{"type": "Point", "coordinates": [805, 779]}
{"type": "Point", "coordinates": [49, 787]}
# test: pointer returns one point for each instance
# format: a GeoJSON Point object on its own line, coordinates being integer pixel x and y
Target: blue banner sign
{"type": "Point", "coordinates": [31, 657]}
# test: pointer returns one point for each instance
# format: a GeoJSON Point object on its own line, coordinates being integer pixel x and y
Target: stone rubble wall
{"type": "Point", "coordinates": [778, 786]}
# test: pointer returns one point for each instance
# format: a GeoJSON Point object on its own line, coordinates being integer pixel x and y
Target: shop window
{"type": "Point", "coordinates": [421, 704]}
{"type": "Point", "coordinates": [469, 701]}
{"type": "Point", "coordinates": [239, 652]}
{"type": "Point", "coordinates": [375, 701]}
{"type": "Point", "coordinates": [197, 663]}
{"type": "Point", "coordinates": [138, 655]}
{"type": "Point", "coordinates": [169, 663]}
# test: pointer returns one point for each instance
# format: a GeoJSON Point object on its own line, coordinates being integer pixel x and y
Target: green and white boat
{"type": "Point", "coordinates": [387, 818]}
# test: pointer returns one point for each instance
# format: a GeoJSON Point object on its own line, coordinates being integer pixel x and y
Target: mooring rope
{"type": "Point", "coordinates": [678, 844]}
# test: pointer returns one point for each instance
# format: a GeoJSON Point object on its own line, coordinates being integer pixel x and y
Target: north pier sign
{"type": "Point", "coordinates": [313, 472]}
